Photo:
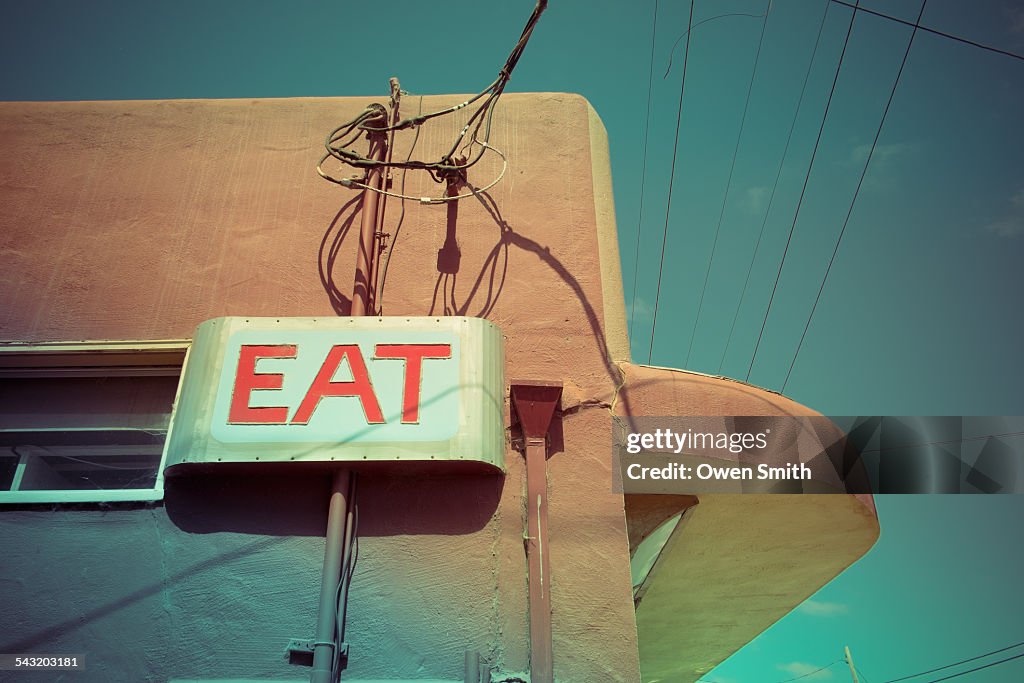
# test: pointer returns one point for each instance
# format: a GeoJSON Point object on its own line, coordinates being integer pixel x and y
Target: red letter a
{"type": "Point", "coordinates": [359, 387]}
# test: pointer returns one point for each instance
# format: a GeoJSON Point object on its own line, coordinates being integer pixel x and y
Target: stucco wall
{"type": "Point", "coordinates": [138, 220]}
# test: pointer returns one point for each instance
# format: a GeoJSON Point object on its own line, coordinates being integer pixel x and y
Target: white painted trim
{"type": "Point", "coordinates": [94, 358]}
{"type": "Point", "coordinates": [105, 496]}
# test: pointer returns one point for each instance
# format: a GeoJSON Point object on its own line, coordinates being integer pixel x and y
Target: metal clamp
{"type": "Point", "coordinates": [300, 650]}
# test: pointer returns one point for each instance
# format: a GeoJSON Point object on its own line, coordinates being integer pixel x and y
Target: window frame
{"type": "Point", "coordinates": [165, 358]}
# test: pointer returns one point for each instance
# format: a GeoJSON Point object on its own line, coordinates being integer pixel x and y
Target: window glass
{"type": "Point", "coordinates": [74, 436]}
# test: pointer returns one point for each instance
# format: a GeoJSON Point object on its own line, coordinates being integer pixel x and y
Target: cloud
{"type": "Point", "coordinates": [754, 199]}
{"type": "Point", "coordinates": [641, 311]}
{"type": "Point", "coordinates": [883, 173]}
{"type": "Point", "coordinates": [882, 154]}
{"type": "Point", "coordinates": [1011, 224]}
{"type": "Point", "coordinates": [816, 608]}
{"type": "Point", "coordinates": [810, 672]}
{"type": "Point", "coordinates": [1016, 17]}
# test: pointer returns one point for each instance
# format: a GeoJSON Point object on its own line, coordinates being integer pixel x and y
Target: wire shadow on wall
{"type": "Point", "coordinates": [330, 247]}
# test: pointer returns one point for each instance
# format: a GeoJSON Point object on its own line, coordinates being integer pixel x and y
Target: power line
{"type": "Point", "coordinates": [982, 437]}
{"type": "Point", "coordinates": [448, 165]}
{"type": "Point", "coordinates": [922, 673]}
{"type": "Point", "coordinates": [728, 183]}
{"type": "Point", "coordinates": [788, 680]}
{"type": "Point", "coordinates": [643, 173]}
{"type": "Point", "coordinates": [943, 34]}
{"type": "Point", "coordinates": [671, 179]}
{"type": "Point", "coordinates": [962, 661]}
{"type": "Point", "coordinates": [685, 33]}
{"type": "Point", "coordinates": [803, 190]}
{"type": "Point", "coordinates": [775, 186]}
{"type": "Point", "coordinates": [977, 668]}
{"type": "Point", "coordinates": [856, 193]}
{"type": "Point", "coordinates": [811, 673]}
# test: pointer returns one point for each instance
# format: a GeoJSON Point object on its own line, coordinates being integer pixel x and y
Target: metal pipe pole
{"type": "Point", "coordinates": [379, 245]}
{"type": "Point", "coordinates": [471, 667]}
{"type": "Point", "coordinates": [366, 251]}
{"type": "Point", "coordinates": [323, 644]}
{"type": "Point", "coordinates": [849, 660]}
{"type": "Point", "coordinates": [339, 516]}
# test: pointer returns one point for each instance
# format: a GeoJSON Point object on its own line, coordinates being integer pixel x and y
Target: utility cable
{"type": "Point", "coordinates": [728, 183]}
{"type": "Point", "coordinates": [351, 182]}
{"type": "Point", "coordinates": [643, 172]}
{"type": "Point", "coordinates": [671, 179]}
{"type": "Point", "coordinates": [398, 226]}
{"type": "Point", "coordinates": [947, 442]}
{"type": "Point", "coordinates": [811, 673]}
{"type": "Point", "coordinates": [371, 119]}
{"type": "Point", "coordinates": [949, 666]}
{"type": "Point", "coordinates": [348, 565]}
{"type": "Point", "coordinates": [775, 185]}
{"type": "Point", "coordinates": [977, 668]}
{"type": "Point", "coordinates": [950, 36]}
{"type": "Point", "coordinates": [671, 53]}
{"type": "Point", "coordinates": [856, 193]}
{"type": "Point", "coordinates": [803, 190]}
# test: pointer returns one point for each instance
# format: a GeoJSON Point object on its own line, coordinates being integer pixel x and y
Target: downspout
{"type": "Point", "coordinates": [535, 403]}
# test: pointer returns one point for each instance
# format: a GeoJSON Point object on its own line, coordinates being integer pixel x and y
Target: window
{"type": "Point", "coordinates": [86, 422]}
{"type": "Point", "coordinates": [645, 557]}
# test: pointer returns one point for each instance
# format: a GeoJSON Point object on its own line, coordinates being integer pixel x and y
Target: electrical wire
{"type": "Point", "coordinates": [643, 172]}
{"type": "Point", "coordinates": [977, 668]}
{"type": "Point", "coordinates": [982, 437]}
{"type": "Point", "coordinates": [671, 180]}
{"type": "Point", "coordinates": [788, 680]}
{"type": "Point", "coordinates": [922, 673]}
{"type": "Point", "coordinates": [728, 183]}
{"type": "Point", "coordinates": [856, 193]}
{"type": "Point", "coordinates": [671, 53]}
{"type": "Point", "coordinates": [803, 190]}
{"type": "Point", "coordinates": [349, 182]}
{"type": "Point", "coordinates": [775, 186]}
{"type": "Point", "coordinates": [959, 39]}
{"type": "Point", "coordinates": [811, 673]}
{"type": "Point", "coordinates": [398, 226]}
{"type": "Point", "coordinates": [446, 166]}
{"type": "Point", "coordinates": [348, 565]}
{"type": "Point", "coordinates": [949, 666]}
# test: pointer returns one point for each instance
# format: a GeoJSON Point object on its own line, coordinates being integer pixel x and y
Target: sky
{"type": "Point", "coordinates": [919, 315]}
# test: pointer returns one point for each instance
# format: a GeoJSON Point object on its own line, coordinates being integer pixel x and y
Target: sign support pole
{"type": "Point", "coordinates": [362, 297]}
{"type": "Point", "coordinates": [325, 645]}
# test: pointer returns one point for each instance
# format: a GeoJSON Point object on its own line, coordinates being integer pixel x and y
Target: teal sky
{"type": "Point", "coordinates": [921, 311]}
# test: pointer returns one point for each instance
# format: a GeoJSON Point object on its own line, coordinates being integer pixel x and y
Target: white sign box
{"type": "Point", "coordinates": [341, 389]}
